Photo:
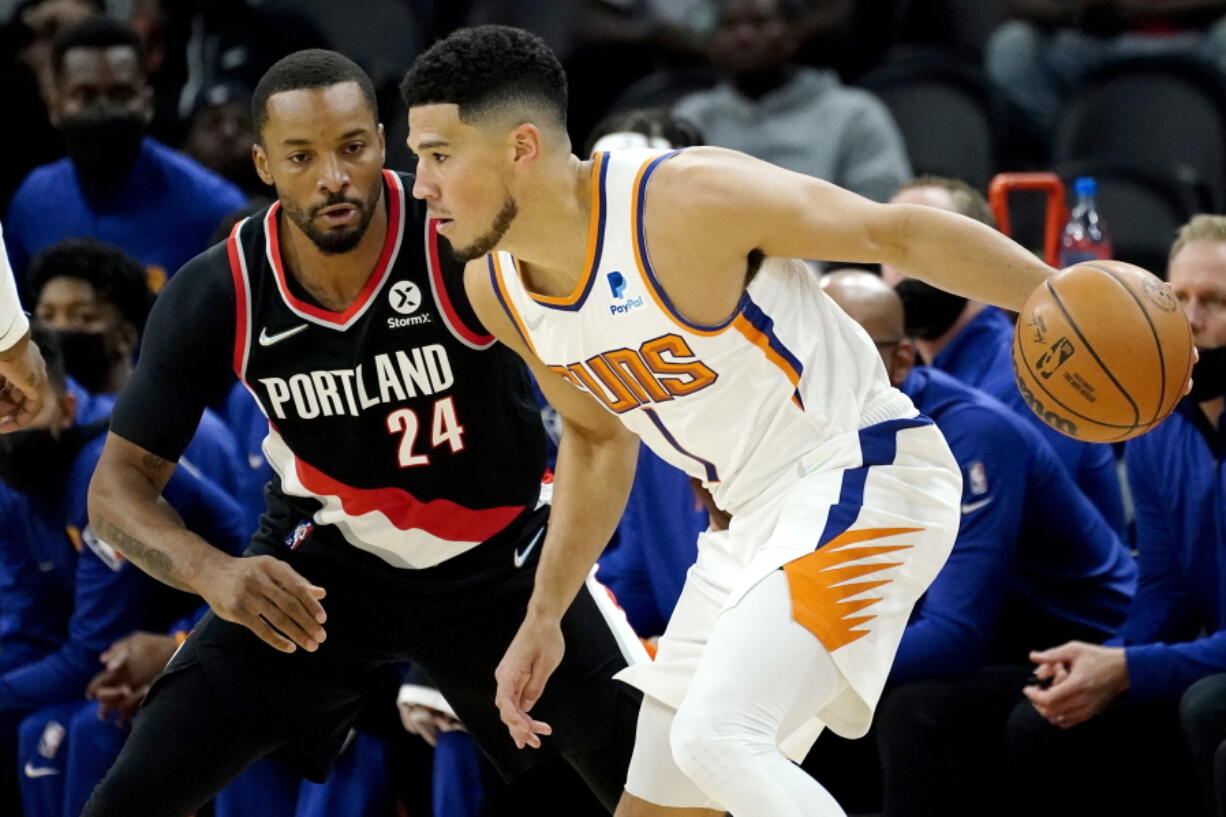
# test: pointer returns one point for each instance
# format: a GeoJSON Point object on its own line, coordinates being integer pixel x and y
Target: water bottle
{"type": "Point", "coordinates": [1085, 235]}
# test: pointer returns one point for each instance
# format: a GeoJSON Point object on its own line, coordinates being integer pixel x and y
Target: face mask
{"type": "Point", "coordinates": [928, 311]}
{"type": "Point", "coordinates": [1209, 375]}
{"type": "Point", "coordinates": [33, 460]}
{"type": "Point", "coordinates": [103, 144]}
{"type": "Point", "coordinates": [86, 358]}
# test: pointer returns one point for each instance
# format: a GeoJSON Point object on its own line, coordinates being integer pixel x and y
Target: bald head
{"type": "Point", "coordinates": [870, 302]}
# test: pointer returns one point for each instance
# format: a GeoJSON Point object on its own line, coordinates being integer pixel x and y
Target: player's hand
{"type": "Point", "coordinates": [268, 597]}
{"type": "Point", "coordinates": [427, 723]}
{"type": "Point", "coordinates": [534, 654]}
{"type": "Point", "coordinates": [22, 376]}
{"type": "Point", "coordinates": [1086, 678]}
{"type": "Point", "coordinates": [1187, 387]}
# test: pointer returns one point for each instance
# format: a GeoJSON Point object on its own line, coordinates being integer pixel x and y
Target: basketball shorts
{"type": "Point", "coordinates": [454, 619]}
{"type": "Point", "coordinates": [858, 546]}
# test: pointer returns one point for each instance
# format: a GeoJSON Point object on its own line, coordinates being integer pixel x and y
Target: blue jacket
{"type": "Point", "coordinates": [981, 356]}
{"type": "Point", "coordinates": [162, 215]}
{"type": "Point", "coordinates": [655, 544]}
{"type": "Point", "coordinates": [108, 597]}
{"type": "Point", "coordinates": [1034, 563]}
{"type": "Point", "coordinates": [1175, 632]}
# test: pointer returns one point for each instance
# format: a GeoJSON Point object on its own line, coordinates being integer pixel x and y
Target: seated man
{"type": "Point", "coordinates": [117, 184]}
{"type": "Point", "coordinates": [1175, 632]}
{"type": "Point", "coordinates": [972, 341]}
{"type": "Point", "coordinates": [1033, 559]}
{"type": "Point", "coordinates": [46, 470]}
{"type": "Point", "coordinates": [95, 298]}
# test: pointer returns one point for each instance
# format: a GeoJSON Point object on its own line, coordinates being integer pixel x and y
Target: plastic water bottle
{"type": "Point", "coordinates": [1085, 235]}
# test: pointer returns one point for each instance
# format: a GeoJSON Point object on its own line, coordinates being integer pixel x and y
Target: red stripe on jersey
{"type": "Point", "coordinates": [233, 250]}
{"type": "Point", "coordinates": [438, 517]}
{"type": "Point", "coordinates": [391, 193]}
{"type": "Point", "coordinates": [440, 289]}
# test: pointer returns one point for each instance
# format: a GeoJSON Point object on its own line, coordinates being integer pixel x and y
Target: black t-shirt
{"type": "Point", "coordinates": [399, 421]}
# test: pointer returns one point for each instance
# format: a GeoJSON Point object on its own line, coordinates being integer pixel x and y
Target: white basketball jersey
{"type": "Point", "coordinates": [736, 404]}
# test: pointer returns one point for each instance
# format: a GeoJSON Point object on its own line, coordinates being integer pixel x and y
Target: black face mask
{"type": "Point", "coordinates": [928, 311]}
{"type": "Point", "coordinates": [86, 358]}
{"type": "Point", "coordinates": [33, 461]}
{"type": "Point", "coordinates": [1209, 375]}
{"type": "Point", "coordinates": [103, 144]}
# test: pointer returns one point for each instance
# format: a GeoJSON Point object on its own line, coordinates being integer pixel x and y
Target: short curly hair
{"type": "Point", "coordinates": [485, 68]}
{"type": "Point", "coordinates": [113, 273]}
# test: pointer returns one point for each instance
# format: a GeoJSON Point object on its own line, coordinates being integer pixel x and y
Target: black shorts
{"type": "Point", "coordinates": [455, 620]}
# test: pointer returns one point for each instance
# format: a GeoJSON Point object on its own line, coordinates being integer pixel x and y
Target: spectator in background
{"type": "Point", "coordinates": [220, 136]}
{"type": "Point", "coordinates": [46, 471]}
{"type": "Point", "coordinates": [800, 118]}
{"type": "Point", "coordinates": [25, 72]}
{"type": "Point", "coordinates": [1040, 56]}
{"type": "Point", "coordinates": [1112, 707]}
{"type": "Point", "coordinates": [93, 297]}
{"type": "Point", "coordinates": [1034, 563]}
{"type": "Point", "coordinates": [117, 184]}
{"type": "Point", "coordinates": [972, 341]}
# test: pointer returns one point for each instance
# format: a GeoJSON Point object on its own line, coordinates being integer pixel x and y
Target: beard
{"type": "Point", "coordinates": [335, 240]}
{"type": "Point", "coordinates": [487, 242]}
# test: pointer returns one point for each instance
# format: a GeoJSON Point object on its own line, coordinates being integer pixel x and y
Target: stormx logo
{"type": "Point", "coordinates": [405, 298]}
{"type": "Point", "coordinates": [617, 285]}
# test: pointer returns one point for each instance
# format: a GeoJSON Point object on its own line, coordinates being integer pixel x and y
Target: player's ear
{"type": "Point", "coordinates": [526, 143]}
{"type": "Point", "coordinates": [382, 145]}
{"type": "Point", "coordinates": [904, 361]}
{"type": "Point", "coordinates": [260, 158]}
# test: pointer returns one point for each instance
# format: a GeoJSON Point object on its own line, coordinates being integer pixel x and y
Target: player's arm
{"type": "Point", "coordinates": [744, 204]}
{"type": "Point", "coordinates": [178, 374]}
{"type": "Point", "coordinates": [596, 461]}
{"type": "Point", "coordinates": [22, 371]}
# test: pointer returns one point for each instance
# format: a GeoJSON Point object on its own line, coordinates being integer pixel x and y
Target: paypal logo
{"type": "Point", "coordinates": [617, 283]}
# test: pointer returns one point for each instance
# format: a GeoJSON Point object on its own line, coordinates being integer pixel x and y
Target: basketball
{"type": "Point", "coordinates": [1102, 351]}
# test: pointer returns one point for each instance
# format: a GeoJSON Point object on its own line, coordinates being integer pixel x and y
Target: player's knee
{"type": "Point", "coordinates": [709, 747]}
{"type": "Point", "coordinates": [1203, 704]}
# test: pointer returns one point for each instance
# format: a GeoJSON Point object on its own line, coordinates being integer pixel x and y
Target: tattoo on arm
{"type": "Point", "coordinates": [153, 462]}
{"type": "Point", "coordinates": [155, 562]}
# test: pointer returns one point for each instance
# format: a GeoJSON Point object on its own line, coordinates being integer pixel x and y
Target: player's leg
{"type": "Point", "coordinates": [183, 749]}
{"type": "Point", "coordinates": [762, 675]}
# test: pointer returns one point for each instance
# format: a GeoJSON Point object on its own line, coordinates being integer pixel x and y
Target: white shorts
{"type": "Point", "coordinates": [859, 547]}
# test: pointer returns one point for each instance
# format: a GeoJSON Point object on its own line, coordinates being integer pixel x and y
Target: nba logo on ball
{"type": "Point", "coordinates": [1122, 354]}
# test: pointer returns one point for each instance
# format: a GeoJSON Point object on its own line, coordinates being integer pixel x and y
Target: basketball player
{"type": "Point", "coordinates": [22, 371]}
{"type": "Point", "coordinates": [408, 502]}
{"type": "Point", "coordinates": [652, 295]}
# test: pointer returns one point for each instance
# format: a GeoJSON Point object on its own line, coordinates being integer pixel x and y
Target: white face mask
{"type": "Point", "coordinates": [629, 139]}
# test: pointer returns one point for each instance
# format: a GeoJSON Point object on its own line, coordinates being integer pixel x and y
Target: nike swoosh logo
{"type": "Point", "coordinates": [522, 556]}
{"type": "Point", "coordinates": [39, 771]}
{"type": "Point", "coordinates": [971, 507]}
{"type": "Point", "coordinates": [268, 340]}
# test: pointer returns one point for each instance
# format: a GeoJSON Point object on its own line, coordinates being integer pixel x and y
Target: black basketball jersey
{"type": "Point", "coordinates": [414, 432]}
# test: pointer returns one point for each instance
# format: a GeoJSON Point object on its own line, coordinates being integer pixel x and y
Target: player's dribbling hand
{"type": "Point", "coordinates": [270, 598]}
{"type": "Point", "coordinates": [534, 654]}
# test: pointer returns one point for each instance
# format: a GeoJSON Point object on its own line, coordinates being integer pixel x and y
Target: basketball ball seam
{"type": "Point", "coordinates": [1076, 329]}
{"type": "Point", "coordinates": [1157, 341]}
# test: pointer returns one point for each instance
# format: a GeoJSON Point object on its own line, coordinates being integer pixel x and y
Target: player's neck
{"type": "Point", "coordinates": [334, 280]}
{"type": "Point", "coordinates": [550, 234]}
{"type": "Point", "coordinates": [931, 348]}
